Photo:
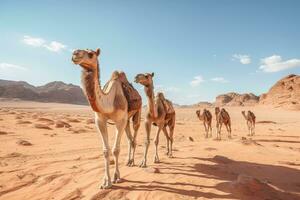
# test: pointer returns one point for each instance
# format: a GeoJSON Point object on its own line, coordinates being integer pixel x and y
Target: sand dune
{"type": "Point", "coordinates": [58, 155]}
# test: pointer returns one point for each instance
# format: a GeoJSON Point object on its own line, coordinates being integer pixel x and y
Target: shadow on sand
{"type": "Point", "coordinates": [282, 182]}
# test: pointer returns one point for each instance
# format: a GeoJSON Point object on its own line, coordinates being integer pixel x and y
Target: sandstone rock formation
{"type": "Point", "coordinates": [235, 99]}
{"type": "Point", "coordinates": [285, 93]}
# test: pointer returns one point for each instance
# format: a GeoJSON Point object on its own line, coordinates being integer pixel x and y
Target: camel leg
{"type": "Point", "coordinates": [168, 139]}
{"type": "Point", "coordinates": [102, 128]}
{"type": "Point", "coordinates": [147, 142]}
{"type": "Point", "coordinates": [129, 139]}
{"type": "Point", "coordinates": [116, 149]}
{"type": "Point", "coordinates": [171, 127]}
{"type": "Point", "coordinates": [210, 129]}
{"type": "Point", "coordinates": [228, 127]}
{"type": "Point", "coordinates": [219, 131]}
{"type": "Point", "coordinates": [136, 125]}
{"type": "Point", "coordinates": [253, 128]}
{"type": "Point", "coordinates": [156, 141]}
{"type": "Point", "coordinates": [206, 130]}
{"type": "Point", "coordinates": [249, 128]}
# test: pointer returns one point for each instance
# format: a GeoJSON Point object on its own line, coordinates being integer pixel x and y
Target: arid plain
{"type": "Point", "coordinates": [53, 151]}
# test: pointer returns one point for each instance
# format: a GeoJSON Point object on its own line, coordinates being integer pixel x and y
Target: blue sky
{"type": "Point", "coordinates": [197, 49]}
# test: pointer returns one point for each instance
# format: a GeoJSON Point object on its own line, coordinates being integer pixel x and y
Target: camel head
{"type": "Point", "coordinates": [217, 110]}
{"type": "Point", "coordinates": [144, 79]}
{"type": "Point", "coordinates": [198, 112]}
{"type": "Point", "coordinates": [243, 112]}
{"type": "Point", "coordinates": [87, 59]}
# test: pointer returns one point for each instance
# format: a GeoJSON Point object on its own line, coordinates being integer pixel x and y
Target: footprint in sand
{"type": "Point", "coordinates": [23, 122]}
{"type": "Point", "coordinates": [73, 120]}
{"type": "Point", "coordinates": [42, 126]}
{"type": "Point", "coordinates": [3, 133]}
{"type": "Point", "coordinates": [45, 120]}
{"type": "Point", "coordinates": [24, 143]}
{"type": "Point", "coordinates": [62, 124]}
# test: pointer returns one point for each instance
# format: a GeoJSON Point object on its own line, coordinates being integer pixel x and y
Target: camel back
{"type": "Point", "coordinates": [252, 115]}
{"type": "Point", "coordinates": [224, 114]}
{"type": "Point", "coordinates": [207, 114]}
{"type": "Point", "coordinates": [133, 97]}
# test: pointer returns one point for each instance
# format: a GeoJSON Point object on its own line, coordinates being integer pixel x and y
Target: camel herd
{"type": "Point", "coordinates": [120, 103]}
{"type": "Point", "coordinates": [223, 117]}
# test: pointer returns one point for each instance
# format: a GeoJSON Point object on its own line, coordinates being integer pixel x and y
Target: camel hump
{"type": "Point", "coordinates": [132, 95]}
{"type": "Point", "coordinates": [168, 105]}
{"type": "Point", "coordinates": [251, 114]}
{"type": "Point", "coordinates": [207, 114]}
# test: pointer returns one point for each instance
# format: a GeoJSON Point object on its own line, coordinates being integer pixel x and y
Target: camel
{"type": "Point", "coordinates": [222, 117]}
{"type": "Point", "coordinates": [160, 113]}
{"type": "Point", "coordinates": [250, 119]}
{"type": "Point", "coordinates": [109, 103]}
{"type": "Point", "coordinates": [206, 117]}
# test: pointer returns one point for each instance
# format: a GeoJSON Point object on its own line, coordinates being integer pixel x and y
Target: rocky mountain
{"type": "Point", "coordinates": [56, 91]}
{"type": "Point", "coordinates": [236, 99]}
{"type": "Point", "coordinates": [285, 93]}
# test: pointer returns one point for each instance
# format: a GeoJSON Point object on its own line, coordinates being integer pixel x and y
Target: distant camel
{"type": "Point", "coordinates": [222, 117]}
{"type": "Point", "coordinates": [250, 118]}
{"type": "Point", "coordinates": [206, 117]}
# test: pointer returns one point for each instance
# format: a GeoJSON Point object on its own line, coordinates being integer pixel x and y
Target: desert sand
{"type": "Point", "coordinates": [53, 151]}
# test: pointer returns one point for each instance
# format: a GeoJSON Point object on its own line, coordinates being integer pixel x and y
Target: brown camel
{"type": "Point", "coordinates": [160, 113]}
{"type": "Point", "coordinates": [222, 117]}
{"type": "Point", "coordinates": [206, 117]}
{"type": "Point", "coordinates": [110, 103]}
{"type": "Point", "coordinates": [250, 119]}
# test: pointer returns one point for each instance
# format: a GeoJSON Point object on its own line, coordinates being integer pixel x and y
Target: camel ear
{"type": "Point", "coordinates": [98, 51]}
{"type": "Point", "coordinates": [152, 74]}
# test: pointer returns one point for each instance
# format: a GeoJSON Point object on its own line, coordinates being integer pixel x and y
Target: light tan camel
{"type": "Point", "coordinates": [222, 117]}
{"type": "Point", "coordinates": [160, 113]}
{"type": "Point", "coordinates": [250, 119]}
{"type": "Point", "coordinates": [109, 103]}
{"type": "Point", "coordinates": [206, 117]}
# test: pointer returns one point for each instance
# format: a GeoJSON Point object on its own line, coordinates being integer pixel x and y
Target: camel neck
{"type": "Point", "coordinates": [149, 90]}
{"type": "Point", "coordinates": [246, 118]}
{"type": "Point", "coordinates": [91, 86]}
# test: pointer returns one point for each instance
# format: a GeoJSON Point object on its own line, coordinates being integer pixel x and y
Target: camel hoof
{"type": "Point", "coordinates": [118, 180]}
{"type": "Point", "coordinates": [130, 163]}
{"type": "Point", "coordinates": [171, 156]}
{"type": "Point", "coordinates": [143, 165]}
{"type": "Point", "coordinates": [106, 185]}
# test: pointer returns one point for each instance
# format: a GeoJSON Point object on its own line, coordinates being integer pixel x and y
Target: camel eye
{"type": "Point", "coordinates": [90, 55]}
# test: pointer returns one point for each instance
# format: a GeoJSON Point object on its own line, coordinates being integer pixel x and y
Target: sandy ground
{"type": "Point", "coordinates": [40, 161]}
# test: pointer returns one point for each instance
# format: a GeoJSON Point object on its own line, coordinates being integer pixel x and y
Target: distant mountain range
{"type": "Point", "coordinates": [284, 93]}
{"type": "Point", "coordinates": [56, 91]}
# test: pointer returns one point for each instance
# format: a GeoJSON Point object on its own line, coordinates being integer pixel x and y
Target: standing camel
{"type": "Point", "coordinates": [250, 119]}
{"type": "Point", "coordinates": [222, 117]}
{"type": "Point", "coordinates": [110, 103]}
{"type": "Point", "coordinates": [160, 113]}
{"type": "Point", "coordinates": [206, 117]}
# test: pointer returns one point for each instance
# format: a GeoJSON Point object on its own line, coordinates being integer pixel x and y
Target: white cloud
{"type": "Point", "coordinates": [244, 59]}
{"type": "Point", "coordinates": [161, 88]}
{"type": "Point", "coordinates": [53, 46]}
{"type": "Point", "coordinates": [219, 79]}
{"type": "Point", "coordinates": [196, 81]}
{"type": "Point", "coordinates": [7, 66]}
{"type": "Point", "coordinates": [275, 64]}
{"type": "Point", "coordinates": [36, 42]}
